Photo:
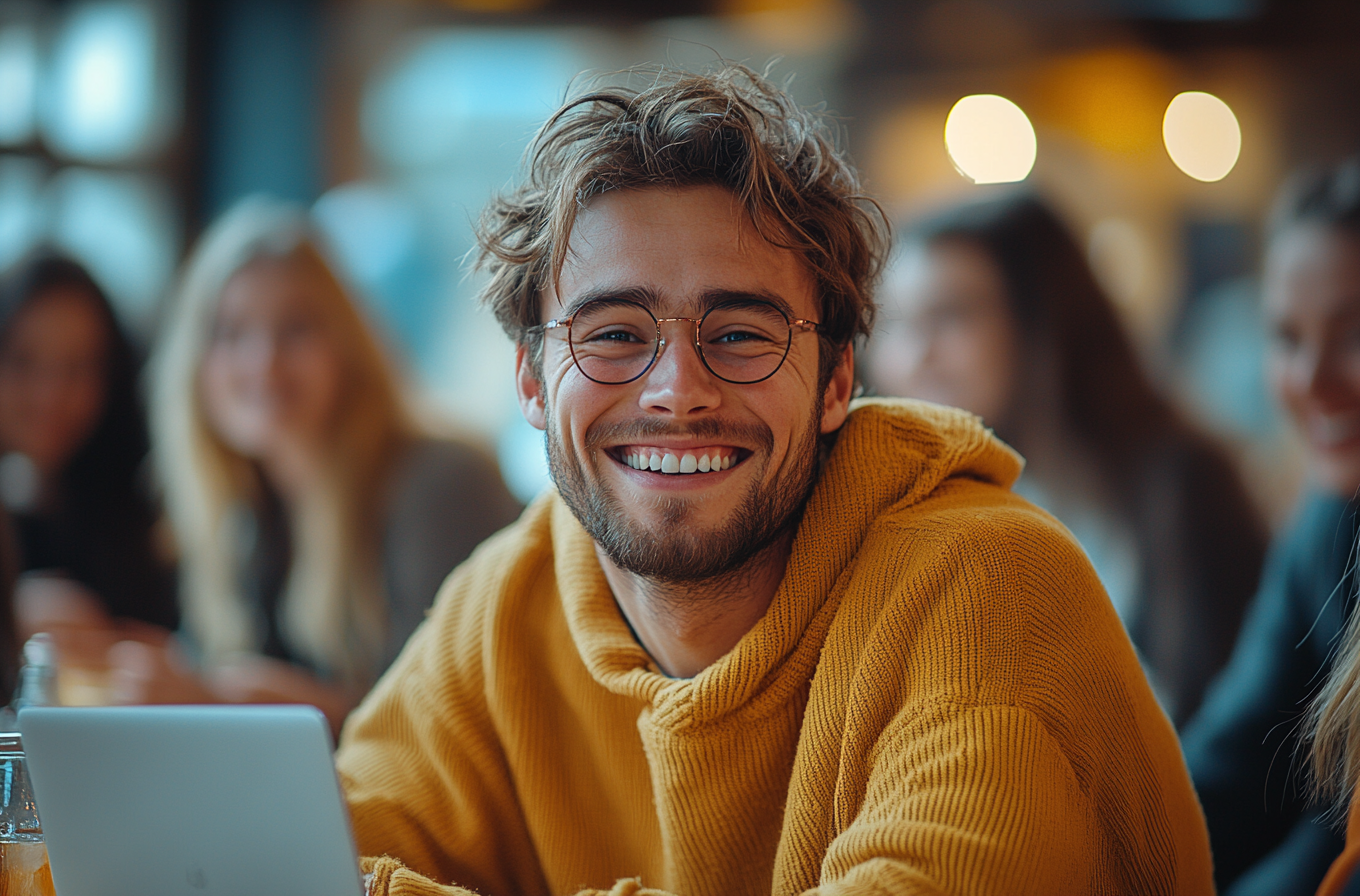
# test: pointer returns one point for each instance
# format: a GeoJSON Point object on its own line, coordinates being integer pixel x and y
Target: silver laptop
{"type": "Point", "coordinates": [190, 800]}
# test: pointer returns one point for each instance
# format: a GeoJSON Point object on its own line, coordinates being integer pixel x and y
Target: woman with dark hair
{"type": "Point", "coordinates": [73, 444]}
{"type": "Point", "coordinates": [1244, 747]}
{"type": "Point", "coordinates": [992, 307]}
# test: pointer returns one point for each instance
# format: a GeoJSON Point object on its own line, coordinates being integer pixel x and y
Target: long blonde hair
{"type": "Point", "coordinates": [1333, 722]}
{"type": "Point", "coordinates": [333, 608]}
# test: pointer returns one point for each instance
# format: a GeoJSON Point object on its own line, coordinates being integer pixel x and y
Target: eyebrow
{"type": "Point", "coordinates": [651, 299]}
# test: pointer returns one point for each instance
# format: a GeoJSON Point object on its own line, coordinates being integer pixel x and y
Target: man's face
{"type": "Point", "coordinates": [681, 251]}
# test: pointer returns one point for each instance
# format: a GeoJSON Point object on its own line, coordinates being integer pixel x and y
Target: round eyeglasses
{"type": "Point", "coordinates": [615, 341]}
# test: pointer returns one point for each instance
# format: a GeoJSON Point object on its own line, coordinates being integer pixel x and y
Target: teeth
{"type": "Point", "coordinates": [658, 462]}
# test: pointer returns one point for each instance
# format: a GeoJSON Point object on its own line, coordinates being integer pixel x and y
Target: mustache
{"type": "Point", "coordinates": [623, 432]}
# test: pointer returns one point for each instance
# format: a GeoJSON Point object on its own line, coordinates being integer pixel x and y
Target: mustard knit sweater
{"type": "Point", "coordinates": [940, 699]}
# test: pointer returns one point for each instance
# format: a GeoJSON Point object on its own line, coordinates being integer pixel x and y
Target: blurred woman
{"type": "Point", "coordinates": [993, 308]}
{"type": "Point", "coordinates": [73, 445]}
{"type": "Point", "coordinates": [1242, 747]}
{"type": "Point", "coordinates": [315, 521]}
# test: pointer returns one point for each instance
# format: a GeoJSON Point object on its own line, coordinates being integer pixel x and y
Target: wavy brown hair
{"type": "Point", "coordinates": [731, 128]}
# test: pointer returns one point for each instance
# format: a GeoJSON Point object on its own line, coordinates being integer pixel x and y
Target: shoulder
{"type": "Point", "coordinates": [428, 462]}
{"type": "Point", "coordinates": [437, 482]}
{"type": "Point", "coordinates": [501, 573]}
{"type": "Point", "coordinates": [988, 598]}
{"type": "Point", "coordinates": [982, 531]}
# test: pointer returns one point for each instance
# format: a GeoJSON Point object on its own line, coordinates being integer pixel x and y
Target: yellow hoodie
{"type": "Point", "coordinates": [940, 699]}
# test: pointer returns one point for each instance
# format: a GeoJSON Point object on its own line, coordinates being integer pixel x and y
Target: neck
{"type": "Point", "coordinates": [687, 626]}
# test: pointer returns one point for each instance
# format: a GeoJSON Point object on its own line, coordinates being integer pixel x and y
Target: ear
{"type": "Point", "coordinates": [529, 390]}
{"type": "Point", "coordinates": [836, 401]}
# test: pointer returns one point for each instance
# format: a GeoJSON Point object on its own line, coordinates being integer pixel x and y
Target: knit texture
{"type": "Point", "coordinates": [940, 699]}
{"type": "Point", "coordinates": [1344, 866]}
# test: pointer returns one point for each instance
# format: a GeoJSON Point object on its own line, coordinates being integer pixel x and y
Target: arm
{"type": "Point", "coordinates": [961, 800]}
{"type": "Point", "coordinates": [971, 800]}
{"type": "Point", "coordinates": [146, 672]}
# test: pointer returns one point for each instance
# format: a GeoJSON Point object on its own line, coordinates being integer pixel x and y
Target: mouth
{"type": "Point", "coordinates": [706, 459]}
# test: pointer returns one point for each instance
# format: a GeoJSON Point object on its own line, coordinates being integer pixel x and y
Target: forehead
{"type": "Point", "coordinates": [940, 274]}
{"type": "Point", "coordinates": [66, 312]}
{"type": "Point", "coordinates": [679, 244]}
{"type": "Point", "coordinates": [269, 286]}
{"type": "Point", "coordinates": [1313, 270]}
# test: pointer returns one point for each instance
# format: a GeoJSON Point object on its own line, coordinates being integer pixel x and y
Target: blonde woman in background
{"type": "Point", "coordinates": [314, 519]}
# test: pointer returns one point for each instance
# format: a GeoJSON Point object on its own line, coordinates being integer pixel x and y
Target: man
{"type": "Point", "coordinates": [760, 639]}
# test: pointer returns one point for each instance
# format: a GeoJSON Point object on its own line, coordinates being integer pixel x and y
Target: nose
{"type": "Point", "coordinates": [679, 383]}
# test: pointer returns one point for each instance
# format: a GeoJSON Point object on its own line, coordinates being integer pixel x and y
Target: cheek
{"type": "Point", "coordinates": [1348, 372]}
{"type": "Point", "coordinates": [574, 403]}
{"type": "Point", "coordinates": [318, 377]}
{"type": "Point", "coordinates": [224, 406]}
{"type": "Point", "coordinates": [971, 368]}
{"type": "Point", "coordinates": [1280, 375]}
{"type": "Point", "coordinates": [896, 361]}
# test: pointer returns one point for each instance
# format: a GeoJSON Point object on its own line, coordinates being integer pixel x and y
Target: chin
{"type": "Point", "coordinates": [1341, 476]}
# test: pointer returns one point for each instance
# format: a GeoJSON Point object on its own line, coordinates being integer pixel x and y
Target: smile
{"type": "Point", "coordinates": [678, 461]}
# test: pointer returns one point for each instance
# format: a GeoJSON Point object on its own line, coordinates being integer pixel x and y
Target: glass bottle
{"type": "Point", "coordinates": [38, 677]}
{"type": "Point", "coordinates": [23, 855]}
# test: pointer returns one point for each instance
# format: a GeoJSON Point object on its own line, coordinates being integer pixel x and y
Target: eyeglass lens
{"type": "Point", "coordinates": [615, 342]}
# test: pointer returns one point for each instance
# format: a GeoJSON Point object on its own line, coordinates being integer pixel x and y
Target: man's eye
{"type": "Point", "coordinates": [735, 336]}
{"type": "Point", "coordinates": [615, 335]}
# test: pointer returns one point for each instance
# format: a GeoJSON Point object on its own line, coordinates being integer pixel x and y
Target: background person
{"type": "Point", "coordinates": [74, 444]}
{"type": "Point", "coordinates": [992, 307]}
{"type": "Point", "coordinates": [1242, 746]}
{"type": "Point", "coordinates": [315, 520]}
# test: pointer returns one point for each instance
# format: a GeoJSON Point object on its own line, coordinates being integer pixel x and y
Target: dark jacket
{"type": "Point", "coordinates": [1243, 747]}
{"type": "Point", "coordinates": [107, 544]}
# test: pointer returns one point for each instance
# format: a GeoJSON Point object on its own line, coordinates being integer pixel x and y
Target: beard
{"type": "Point", "coordinates": [673, 550]}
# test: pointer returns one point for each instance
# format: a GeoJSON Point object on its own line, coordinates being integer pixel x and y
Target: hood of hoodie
{"type": "Point", "coordinates": [890, 453]}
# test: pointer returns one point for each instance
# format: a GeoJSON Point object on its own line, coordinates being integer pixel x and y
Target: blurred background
{"type": "Point", "coordinates": [126, 126]}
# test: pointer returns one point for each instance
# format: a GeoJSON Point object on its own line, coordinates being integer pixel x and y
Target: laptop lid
{"type": "Point", "coordinates": [190, 800]}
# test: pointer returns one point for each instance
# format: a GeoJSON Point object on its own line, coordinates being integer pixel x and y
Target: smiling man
{"type": "Point", "coordinates": [761, 638]}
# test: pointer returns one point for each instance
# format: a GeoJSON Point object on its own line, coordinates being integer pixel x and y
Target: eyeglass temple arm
{"type": "Point", "coordinates": [550, 325]}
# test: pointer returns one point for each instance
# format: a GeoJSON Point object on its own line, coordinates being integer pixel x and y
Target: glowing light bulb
{"type": "Point", "coordinates": [1202, 135]}
{"type": "Point", "coordinates": [990, 140]}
